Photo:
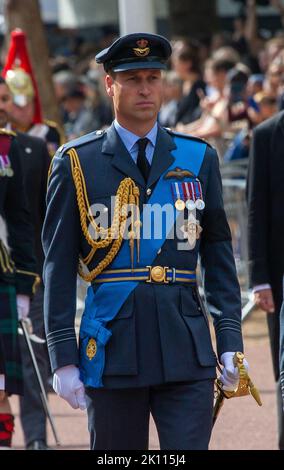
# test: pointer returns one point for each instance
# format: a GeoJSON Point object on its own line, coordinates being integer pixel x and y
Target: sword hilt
{"type": "Point", "coordinates": [246, 386]}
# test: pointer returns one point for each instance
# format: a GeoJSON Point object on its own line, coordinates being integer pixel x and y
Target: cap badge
{"type": "Point", "coordinates": [142, 50]}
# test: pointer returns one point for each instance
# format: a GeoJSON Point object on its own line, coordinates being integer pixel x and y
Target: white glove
{"type": "Point", "coordinates": [67, 385]}
{"type": "Point", "coordinates": [23, 306]}
{"type": "Point", "coordinates": [230, 373]}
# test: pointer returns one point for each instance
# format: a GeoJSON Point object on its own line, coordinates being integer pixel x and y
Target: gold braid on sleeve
{"type": "Point", "coordinates": [126, 198]}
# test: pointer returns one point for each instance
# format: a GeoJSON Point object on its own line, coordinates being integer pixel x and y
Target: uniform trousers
{"type": "Point", "coordinates": [118, 419]}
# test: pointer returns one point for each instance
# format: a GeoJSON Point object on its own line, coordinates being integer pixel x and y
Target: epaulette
{"type": "Point", "coordinates": [187, 136]}
{"type": "Point", "coordinates": [7, 132]}
{"type": "Point", "coordinates": [58, 129]}
{"type": "Point", "coordinates": [50, 123]}
{"type": "Point", "coordinates": [95, 135]}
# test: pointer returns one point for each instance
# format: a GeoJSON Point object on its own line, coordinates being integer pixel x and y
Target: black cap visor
{"type": "Point", "coordinates": [122, 65]}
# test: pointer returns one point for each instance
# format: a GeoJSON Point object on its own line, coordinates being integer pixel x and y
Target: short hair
{"type": "Point", "coordinates": [226, 53]}
{"type": "Point", "coordinates": [3, 81]}
{"type": "Point", "coordinates": [238, 74]}
{"type": "Point", "coordinates": [222, 65]}
{"type": "Point", "coordinates": [189, 52]}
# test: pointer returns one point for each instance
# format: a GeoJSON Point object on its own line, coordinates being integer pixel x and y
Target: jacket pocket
{"type": "Point", "coordinates": [121, 356]}
{"type": "Point", "coordinates": [197, 325]}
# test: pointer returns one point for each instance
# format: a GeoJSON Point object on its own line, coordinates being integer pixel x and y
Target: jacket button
{"type": "Point", "coordinates": [149, 191]}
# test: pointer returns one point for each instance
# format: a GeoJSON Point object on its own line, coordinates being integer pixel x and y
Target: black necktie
{"type": "Point", "coordinates": [142, 162]}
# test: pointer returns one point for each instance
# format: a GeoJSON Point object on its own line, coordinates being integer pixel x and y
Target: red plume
{"type": "Point", "coordinates": [18, 56]}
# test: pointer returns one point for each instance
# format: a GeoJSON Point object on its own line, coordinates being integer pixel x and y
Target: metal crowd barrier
{"type": "Point", "coordinates": [234, 192]}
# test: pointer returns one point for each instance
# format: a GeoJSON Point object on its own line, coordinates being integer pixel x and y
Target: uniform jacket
{"type": "Point", "coordinates": [160, 333]}
{"type": "Point", "coordinates": [13, 209]}
{"type": "Point", "coordinates": [35, 162]}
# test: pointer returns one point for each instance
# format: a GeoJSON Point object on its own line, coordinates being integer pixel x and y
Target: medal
{"type": "Point", "coordinates": [179, 204]}
{"type": "Point", "coordinates": [191, 233]}
{"type": "Point", "coordinates": [5, 166]}
{"type": "Point", "coordinates": [199, 204]}
{"type": "Point", "coordinates": [190, 205]}
{"type": "Point", "coordinates": [188, 194]}
{"type": "Point", "coordinates": [9, 172]}
{"type": "Point", "coordinates": [191, 230]}
{"type": "Point", "coordinates": [178, 198]}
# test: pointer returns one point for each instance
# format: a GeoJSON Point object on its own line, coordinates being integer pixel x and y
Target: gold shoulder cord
{"type": "Point", "coordinates": [127, 197]}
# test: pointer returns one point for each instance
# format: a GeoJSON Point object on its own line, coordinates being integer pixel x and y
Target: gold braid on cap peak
{"type": "Point", "coordinates": [126, 198]}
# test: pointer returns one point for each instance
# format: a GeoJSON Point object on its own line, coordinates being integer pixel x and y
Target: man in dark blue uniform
{"type": "Point", "coordinates": [145, 345]}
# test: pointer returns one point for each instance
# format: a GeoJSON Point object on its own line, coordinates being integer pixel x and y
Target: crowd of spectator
{"type": "Point", "coordinates": [217, 89]}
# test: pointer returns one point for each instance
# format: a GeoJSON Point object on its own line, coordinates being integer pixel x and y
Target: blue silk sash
{"type": "Point", "coordinates": [103, 305]}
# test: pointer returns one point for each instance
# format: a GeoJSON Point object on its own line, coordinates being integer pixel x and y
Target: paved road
{"type": "Point", "coordinates": [242, 424]}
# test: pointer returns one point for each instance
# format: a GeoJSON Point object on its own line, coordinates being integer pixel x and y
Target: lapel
{"type": "Point", "coordinates": [121, 160]}
{"type": "Point", "coordinates": [162, 157]}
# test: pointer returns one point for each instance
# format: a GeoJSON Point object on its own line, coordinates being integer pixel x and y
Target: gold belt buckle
{"type": "Point", "coordinates": [158, 274]}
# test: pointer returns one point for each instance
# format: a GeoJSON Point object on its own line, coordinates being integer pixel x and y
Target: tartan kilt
{"type": "Point", "coordinates": [10, 358]}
